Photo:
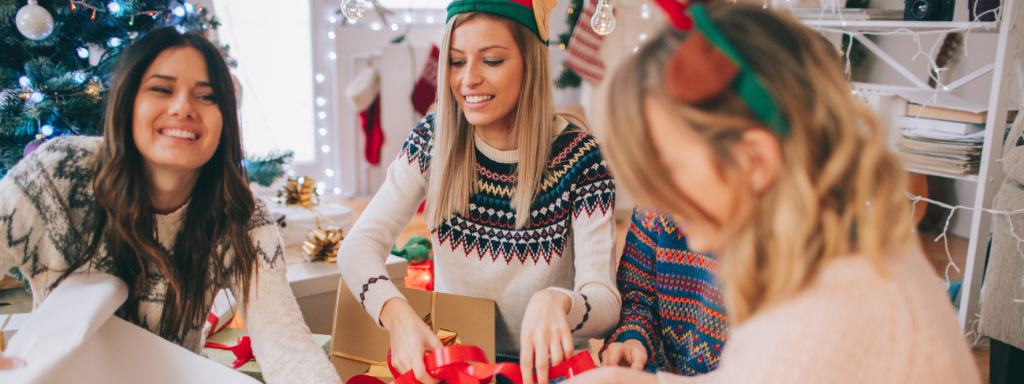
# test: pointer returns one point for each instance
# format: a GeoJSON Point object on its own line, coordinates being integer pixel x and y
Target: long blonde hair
{"type": "Point", "coordinates": [453, 174]}
{"type": "Point", "coordinates": [839, 190]}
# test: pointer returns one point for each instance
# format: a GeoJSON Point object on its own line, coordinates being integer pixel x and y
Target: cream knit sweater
{"type": "Point", "coordinates": [43, 203]}
{"type": "Point", "coordinates": [851, 325]}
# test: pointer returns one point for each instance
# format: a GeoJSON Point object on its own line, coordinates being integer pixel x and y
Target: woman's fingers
{"type": "Point", "coordinates": [639, 358]}
{"type": "Point", "coordinates": [542, 363]}
{"type": "Point", "coordinates": [526, 359]}
{"type": "Point", "coordinates": [612, 355]}
{"type": "Point", "coordinates": [7, 364]}
{"type": "Point", "coordinates": [420, 369]}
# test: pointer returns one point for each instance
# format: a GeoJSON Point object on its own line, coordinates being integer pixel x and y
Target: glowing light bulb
{"type": "Point", "coordinates": [179, 11]}
{"type": "Point", "coordinates": [114, 7]}
{"type": "Point", "coordinates": [603, 21]}
{"type": "Point", "coordinates": [46, 130]}
{"type": "Point", "coordinates": [24, 82]}
{"type": "Point", "coordinates": [353, 9]}
{"type": "Point", "coordinates": [83, 53]}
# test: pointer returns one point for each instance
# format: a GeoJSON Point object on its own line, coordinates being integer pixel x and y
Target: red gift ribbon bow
{"type": "Point", "coordinates": [242, 351]}
{"type": "Point", "coordinates": [452, 365]}
{"type": "Point", "coordinates": [213, 320]}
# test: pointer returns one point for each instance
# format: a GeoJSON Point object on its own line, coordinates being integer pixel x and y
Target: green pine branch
{"type": "Point", "coordinates": [263, 170]}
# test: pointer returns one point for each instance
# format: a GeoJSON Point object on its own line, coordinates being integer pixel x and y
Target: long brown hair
{"type": "Point", "coordinates": [216, 217]}
{"type": "Point", "coordinates": [839, 190]}
{"type": "Point", "coordinates": [453, 175]}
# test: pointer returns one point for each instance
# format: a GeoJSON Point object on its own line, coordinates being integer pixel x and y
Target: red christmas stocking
{"type": "Point", "coordinates": [584, 56]}
{"type": "Point", "coordinates": [370, 120]}
{"type": "Point", "coordinates": [425, 91]}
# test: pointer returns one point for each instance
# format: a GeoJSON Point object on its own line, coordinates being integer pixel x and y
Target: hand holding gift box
{"type": "Point", "coordinates": [358, 342]}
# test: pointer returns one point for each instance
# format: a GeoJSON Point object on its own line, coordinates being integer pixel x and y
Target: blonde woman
{"type": "Point", "coordinates": [519, 201]}
{"type": "Point", "coordinates": [769, 162]}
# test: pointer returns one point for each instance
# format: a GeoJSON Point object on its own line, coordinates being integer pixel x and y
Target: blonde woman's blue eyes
{"type": "Point", "coordinates": [494, 63]}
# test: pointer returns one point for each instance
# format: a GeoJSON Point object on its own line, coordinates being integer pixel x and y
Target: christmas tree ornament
{"type": "Point", "coordinates": [322, 244]}
{"type": "Point", "coordinates": [603, 21]}
{"type": "Point", "coordinates": [33, 21]}
{"type": "Point", "coordinates": [298, 191]}
{"type": "Point", "coordinates": [353, 9]}
{"type": "Point", "coordinates": [34, 144]}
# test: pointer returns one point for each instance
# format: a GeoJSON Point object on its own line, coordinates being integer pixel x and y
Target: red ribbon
{"type": "Point", "coordinates": [452, 365]}
{"type": "Point", "coordinates": [242, 351]}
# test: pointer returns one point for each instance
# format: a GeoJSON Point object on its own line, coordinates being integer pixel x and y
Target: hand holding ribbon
{"type": "Point", "coordinates": [452, 365]}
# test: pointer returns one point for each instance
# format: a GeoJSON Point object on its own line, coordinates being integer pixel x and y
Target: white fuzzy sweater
{"type": "Point", "coordinates": [44, 201]}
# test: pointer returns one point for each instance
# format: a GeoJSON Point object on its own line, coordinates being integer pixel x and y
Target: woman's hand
{"type": "Point", "coordinates": [546, 339]}
{"type": "Point", "coordinates": [613, 375]}
{"type": "Point", "coordinates": [410, 339]}
{"type": "Point", "coordinates": [7, 364]}
{"type": "Point", "coordinates": [630, 353]}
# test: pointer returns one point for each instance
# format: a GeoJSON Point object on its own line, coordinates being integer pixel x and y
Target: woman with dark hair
{"type": "Point", "coordinates": [162, 202]}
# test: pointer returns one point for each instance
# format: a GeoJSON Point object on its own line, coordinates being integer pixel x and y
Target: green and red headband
{"type": "Point", "coordinates": [706, 64]}
{"type": "Point", "coordinates": [534, 14]}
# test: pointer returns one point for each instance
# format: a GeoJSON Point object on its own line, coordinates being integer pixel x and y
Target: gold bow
{"type": "Point", "coordinates": [322, 244]}
{"type": "Point", "coordinates": [298, 191]}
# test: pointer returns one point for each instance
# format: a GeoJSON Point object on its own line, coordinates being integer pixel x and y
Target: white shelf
{"type": "Point", "coordinates": [891, 25]}
{"type": "Point", "coordinates": [971, 178]}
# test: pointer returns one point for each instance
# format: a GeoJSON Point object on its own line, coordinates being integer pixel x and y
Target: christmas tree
{"type": "Point", "coordinates": [56, 57]}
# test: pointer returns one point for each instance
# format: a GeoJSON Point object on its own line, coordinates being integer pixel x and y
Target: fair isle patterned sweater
{"type": "Point", "coordinates": [44, 203]}
{"type": "Point", "coordinates": [671, 302]}
{"type": "Point", "coordinates": [567, 246]}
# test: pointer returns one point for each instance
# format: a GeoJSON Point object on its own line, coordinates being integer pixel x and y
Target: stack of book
{"type": "Point", "coordinates": [943, 135]}
{"type": "Point", "coordinates": [834, 13]}
{"type": "Point", "coordinates": [929, 151]}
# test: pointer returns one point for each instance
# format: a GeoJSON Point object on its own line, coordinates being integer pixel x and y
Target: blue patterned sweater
{"type": "Point", "coordinates": [670, 300]}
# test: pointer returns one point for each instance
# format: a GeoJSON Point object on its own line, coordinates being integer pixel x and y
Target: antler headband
{"type": "Point", "coordinates": [706, 64]}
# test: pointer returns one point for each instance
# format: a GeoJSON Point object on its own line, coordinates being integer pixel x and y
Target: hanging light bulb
{"type": "Point", "coordinates": [603, 21]}
{"type": "Point", "coordinates": [353, 9]}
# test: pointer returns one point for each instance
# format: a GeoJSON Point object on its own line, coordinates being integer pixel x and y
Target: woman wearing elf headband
{"type": "Point", "coordinates": [519, 201]}
{"type": "Point", "coordinates": [765, 157]}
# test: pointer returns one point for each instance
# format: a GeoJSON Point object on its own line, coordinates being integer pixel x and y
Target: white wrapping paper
{"type": "Point", "coordinates": [73, 337]}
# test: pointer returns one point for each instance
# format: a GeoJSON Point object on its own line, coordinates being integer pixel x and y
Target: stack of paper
{"type": "Point", "coordinates": [936, 151]}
